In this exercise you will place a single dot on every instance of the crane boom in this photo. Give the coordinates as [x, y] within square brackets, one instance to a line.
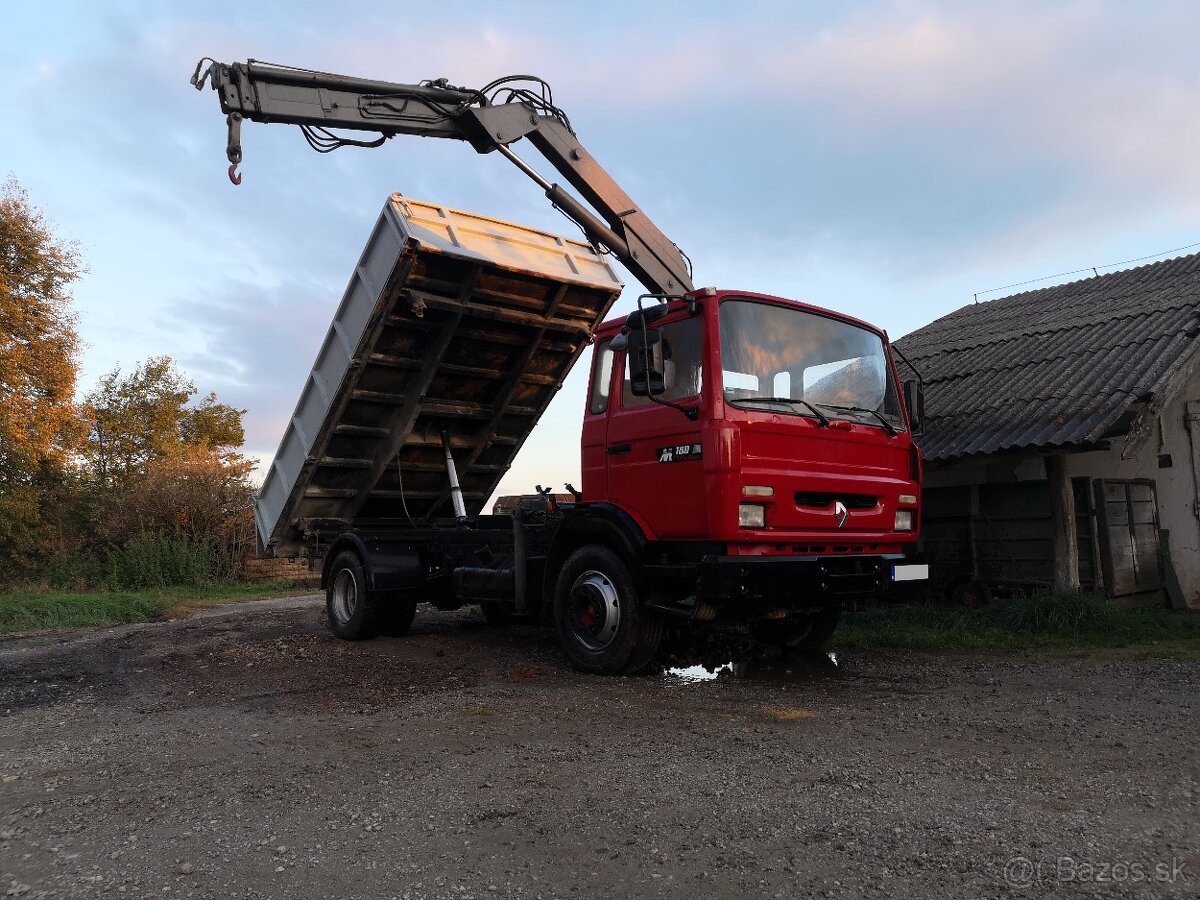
[489, 120]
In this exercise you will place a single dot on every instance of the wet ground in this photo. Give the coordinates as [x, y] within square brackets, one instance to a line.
[246, 753]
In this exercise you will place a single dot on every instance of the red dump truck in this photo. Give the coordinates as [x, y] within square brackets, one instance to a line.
[746, 459]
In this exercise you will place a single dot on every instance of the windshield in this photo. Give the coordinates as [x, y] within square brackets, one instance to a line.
[791, 361]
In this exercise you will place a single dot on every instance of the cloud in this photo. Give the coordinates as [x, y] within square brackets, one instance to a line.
[255, 346]
[866, 150]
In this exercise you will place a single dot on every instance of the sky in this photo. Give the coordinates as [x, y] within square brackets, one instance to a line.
[887, 159]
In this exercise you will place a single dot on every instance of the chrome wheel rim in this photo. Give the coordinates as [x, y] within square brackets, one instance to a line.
[595, 610]
[345, 596]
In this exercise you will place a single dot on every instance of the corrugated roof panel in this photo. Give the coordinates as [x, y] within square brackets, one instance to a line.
[1058, 366]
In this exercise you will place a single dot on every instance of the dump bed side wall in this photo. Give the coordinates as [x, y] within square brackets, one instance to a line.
[452, 323]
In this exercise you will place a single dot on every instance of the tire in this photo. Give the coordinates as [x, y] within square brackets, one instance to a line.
[601, 621]
[352, 609]
[395, 613]
[810, 632]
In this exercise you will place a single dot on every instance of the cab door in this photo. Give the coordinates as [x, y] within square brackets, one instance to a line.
[654, 452]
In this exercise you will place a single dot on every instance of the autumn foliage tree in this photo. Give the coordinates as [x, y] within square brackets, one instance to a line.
[40, 426]
[38, 343]
[142, 467]
[147, 415]
[167, 465]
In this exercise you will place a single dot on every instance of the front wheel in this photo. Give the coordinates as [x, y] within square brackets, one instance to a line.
[602, 624]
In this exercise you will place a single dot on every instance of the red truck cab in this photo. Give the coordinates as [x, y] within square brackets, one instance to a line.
[779, 433]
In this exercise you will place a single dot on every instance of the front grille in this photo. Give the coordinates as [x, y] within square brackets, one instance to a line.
[824, 500]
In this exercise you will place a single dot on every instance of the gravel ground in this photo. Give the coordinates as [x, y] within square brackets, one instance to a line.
[244, 752]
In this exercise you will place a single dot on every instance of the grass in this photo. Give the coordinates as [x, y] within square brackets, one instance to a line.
[38, 610]
[1070, 624]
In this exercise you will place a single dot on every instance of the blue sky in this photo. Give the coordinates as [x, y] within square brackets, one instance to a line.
[888, 159]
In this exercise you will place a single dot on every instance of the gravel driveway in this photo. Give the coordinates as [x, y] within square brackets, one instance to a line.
[246, 753]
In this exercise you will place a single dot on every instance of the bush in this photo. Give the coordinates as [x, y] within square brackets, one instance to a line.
[185, 521]
[150, 560]
[76, 571]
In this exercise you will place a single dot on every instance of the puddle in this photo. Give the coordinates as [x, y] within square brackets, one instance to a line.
[793, 667]
[699, 673]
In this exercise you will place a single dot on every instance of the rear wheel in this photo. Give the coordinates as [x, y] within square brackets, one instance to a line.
[809, 632]
[352, 609]
[602, 624]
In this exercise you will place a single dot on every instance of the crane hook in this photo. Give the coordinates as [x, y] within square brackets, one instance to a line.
[234, 175]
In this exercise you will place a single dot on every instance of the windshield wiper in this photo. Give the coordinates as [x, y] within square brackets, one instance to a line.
[891, 429]
[821, 417]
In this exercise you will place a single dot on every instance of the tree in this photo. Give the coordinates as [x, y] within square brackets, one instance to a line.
[144, 417]
[39, 421]
[194, 495]
[172, 484]
[215, 426]
[40, 425]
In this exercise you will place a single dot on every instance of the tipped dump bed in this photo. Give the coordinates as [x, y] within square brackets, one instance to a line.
[452, 322]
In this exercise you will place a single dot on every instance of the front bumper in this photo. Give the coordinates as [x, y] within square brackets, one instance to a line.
[759, 583]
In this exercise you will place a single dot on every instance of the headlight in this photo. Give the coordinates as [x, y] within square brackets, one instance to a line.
[751, 515]
[904, 520]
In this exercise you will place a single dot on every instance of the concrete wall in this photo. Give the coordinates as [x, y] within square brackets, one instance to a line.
[1177, 490]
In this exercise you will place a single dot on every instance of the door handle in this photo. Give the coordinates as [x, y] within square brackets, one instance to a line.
[615, 449]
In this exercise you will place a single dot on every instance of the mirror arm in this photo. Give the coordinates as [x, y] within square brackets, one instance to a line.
[691, 412]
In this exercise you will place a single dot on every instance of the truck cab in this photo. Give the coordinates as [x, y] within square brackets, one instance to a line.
[764, 428]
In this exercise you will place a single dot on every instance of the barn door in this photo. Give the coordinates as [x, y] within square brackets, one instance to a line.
[1127, 519]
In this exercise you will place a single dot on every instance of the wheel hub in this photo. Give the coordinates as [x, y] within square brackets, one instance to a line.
[345, 596]
[595, 610]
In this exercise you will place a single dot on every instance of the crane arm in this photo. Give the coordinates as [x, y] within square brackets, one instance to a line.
[489, 120]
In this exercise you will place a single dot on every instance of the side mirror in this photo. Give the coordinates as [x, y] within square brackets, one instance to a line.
[619, 343]
[645, 378]
[914, 402]
[649, 314]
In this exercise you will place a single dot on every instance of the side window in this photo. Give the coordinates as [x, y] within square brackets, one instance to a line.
[680, 356]
[602, 364]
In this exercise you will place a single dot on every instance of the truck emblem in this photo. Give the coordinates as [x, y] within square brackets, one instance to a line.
[679, 452]
[841, 513]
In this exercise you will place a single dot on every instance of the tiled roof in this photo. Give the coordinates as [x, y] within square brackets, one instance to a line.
[1061, 366]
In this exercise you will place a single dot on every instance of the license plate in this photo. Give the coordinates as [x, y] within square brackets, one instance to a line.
[913, 572]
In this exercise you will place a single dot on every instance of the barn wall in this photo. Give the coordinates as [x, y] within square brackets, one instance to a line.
[1176, 484]
[1176, 488]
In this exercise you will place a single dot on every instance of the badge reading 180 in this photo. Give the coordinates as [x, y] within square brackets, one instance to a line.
[678, 453]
